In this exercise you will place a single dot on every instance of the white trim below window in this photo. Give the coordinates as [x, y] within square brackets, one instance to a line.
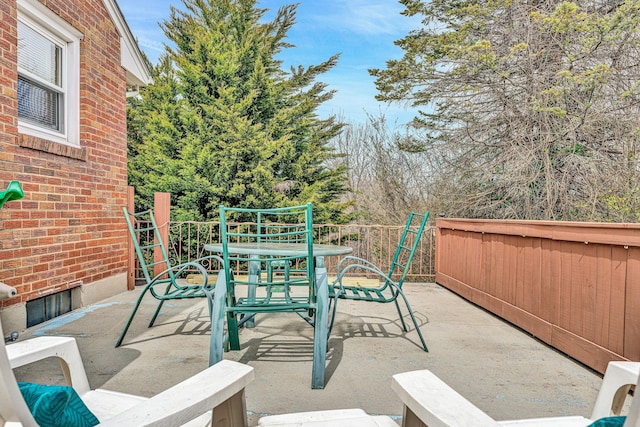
[38, 17]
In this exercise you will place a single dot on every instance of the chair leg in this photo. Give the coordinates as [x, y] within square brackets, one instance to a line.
[231, 413]
[404, 325]
[254, 277]
[287, 275]
[333, 300]
[130, 319]
[269, 279]
[153, 319]
[226, 347]
[155, 315]
[269, 272]
[216, 311]
[320, 329]
[232, 330]
[415, 322]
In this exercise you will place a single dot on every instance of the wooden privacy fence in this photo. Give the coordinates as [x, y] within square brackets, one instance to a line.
[575, 286]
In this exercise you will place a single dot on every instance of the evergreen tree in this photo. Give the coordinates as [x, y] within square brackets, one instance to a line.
[224, 124]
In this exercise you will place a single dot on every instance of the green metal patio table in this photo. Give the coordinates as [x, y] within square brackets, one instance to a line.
[274, 249]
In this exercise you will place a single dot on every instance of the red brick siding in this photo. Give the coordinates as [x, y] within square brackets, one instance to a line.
[69, 228]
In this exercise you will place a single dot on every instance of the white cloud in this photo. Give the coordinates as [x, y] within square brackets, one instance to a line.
[366, 17]
[150, 43]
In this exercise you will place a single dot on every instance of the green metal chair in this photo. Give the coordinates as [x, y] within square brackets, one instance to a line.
[389, 289]
[292, 291]
[170, 283]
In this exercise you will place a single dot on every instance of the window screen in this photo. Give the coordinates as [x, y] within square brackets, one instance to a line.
[40, 92]
[38, 105]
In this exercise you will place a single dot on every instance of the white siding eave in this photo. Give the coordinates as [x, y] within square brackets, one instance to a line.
[138, 73]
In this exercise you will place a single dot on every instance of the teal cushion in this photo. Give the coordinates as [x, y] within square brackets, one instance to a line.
[608, 422]
[56, 406]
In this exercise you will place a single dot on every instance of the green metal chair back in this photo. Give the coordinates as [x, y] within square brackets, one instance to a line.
[264, 226]
[146, 238]
[281, 233]
[407, 247]
[284, 224]
[391, 284]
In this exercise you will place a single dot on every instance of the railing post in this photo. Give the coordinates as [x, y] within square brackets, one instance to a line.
[131, 256]
[161, 209]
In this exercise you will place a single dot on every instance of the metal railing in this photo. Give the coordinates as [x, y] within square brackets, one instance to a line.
[376, 243]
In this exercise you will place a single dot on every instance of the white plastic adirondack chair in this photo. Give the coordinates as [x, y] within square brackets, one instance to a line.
[429, 401]
[215, 396]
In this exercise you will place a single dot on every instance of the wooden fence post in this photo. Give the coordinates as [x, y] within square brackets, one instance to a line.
[131, 256]
[161, 209]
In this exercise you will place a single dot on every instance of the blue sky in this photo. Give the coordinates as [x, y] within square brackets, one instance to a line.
[362, 30]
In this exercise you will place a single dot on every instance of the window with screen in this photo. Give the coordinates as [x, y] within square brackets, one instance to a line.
[48, 74]
[40, 89]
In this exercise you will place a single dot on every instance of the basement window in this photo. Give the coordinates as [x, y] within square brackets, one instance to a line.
[46, 308]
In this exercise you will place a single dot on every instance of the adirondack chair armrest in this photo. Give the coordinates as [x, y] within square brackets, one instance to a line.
[7, 291]
[219, 388]
[618, 379]
[64, 348]
[429, 401]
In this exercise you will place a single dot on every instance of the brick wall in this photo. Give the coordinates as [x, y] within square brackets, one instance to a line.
[68, 230]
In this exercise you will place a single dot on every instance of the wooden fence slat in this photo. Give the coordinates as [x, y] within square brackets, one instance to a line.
[522, 277]
[589, 304]
[511, 256]
[564, 291]
[549, 278]
[475, 260]
[538, 279]
[632, 306]
[497, 249]
[618, 285]
[603, 294]
[533, 290]
[575, 281]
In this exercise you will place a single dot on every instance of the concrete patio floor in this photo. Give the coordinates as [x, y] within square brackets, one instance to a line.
[501, 369]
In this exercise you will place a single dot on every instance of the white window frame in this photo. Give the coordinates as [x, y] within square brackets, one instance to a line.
[50, 25]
